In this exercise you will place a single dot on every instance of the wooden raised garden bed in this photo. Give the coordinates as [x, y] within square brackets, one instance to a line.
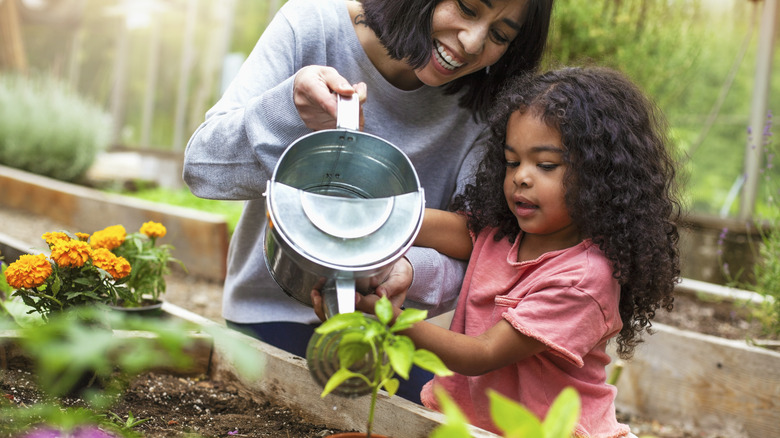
[698, 381]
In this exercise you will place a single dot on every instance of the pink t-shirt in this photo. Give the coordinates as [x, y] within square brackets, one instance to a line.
[568, 300]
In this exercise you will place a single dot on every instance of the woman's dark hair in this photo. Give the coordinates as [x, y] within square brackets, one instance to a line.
[620, 182]
[405, 27]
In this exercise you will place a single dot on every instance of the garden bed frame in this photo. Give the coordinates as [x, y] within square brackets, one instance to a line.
[692, 380]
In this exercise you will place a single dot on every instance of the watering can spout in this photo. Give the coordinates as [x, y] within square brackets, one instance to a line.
[338, 296]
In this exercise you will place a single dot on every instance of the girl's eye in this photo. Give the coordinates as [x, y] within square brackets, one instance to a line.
[466, 10]
[548, 167]
[512, 163]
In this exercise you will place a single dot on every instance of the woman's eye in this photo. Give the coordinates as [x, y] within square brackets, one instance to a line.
[499, 37]
[466, 10]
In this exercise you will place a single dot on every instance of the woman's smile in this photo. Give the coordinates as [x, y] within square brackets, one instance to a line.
[444, 58]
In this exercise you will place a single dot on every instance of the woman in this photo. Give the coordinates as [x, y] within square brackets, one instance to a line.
[426, 72]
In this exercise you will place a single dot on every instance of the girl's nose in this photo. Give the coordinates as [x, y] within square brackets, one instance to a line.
[473, 38]
[521, 177]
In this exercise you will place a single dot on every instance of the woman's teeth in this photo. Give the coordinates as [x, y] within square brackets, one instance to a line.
[445, 59]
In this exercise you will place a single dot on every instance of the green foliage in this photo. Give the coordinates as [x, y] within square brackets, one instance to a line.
[514, 420]
[389, 352]
[695, 62]
[231, 210]
[48, 129]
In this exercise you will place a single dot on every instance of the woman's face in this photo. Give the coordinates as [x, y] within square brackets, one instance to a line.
[469, 35]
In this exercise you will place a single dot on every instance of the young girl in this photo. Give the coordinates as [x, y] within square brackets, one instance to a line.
[571, 240]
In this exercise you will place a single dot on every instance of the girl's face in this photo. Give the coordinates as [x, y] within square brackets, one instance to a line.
[469, 35]
[533, 184]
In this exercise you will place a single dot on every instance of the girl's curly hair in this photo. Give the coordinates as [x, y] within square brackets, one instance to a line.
[620, 181]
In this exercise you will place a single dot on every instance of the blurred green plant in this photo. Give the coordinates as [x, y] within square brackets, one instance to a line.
[766, 270]
[513, 419]
[48, 129]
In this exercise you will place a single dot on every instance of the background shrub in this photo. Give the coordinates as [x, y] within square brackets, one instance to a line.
[47, 129]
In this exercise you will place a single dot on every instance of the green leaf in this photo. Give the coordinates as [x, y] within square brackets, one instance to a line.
[512, 418]
[391, 386]
[563, 415]
[352, 352]
[430, 362]
[384, 310]
[408, 318]
[400, 351]
[456, 425]
[339, 377]
[340, 322]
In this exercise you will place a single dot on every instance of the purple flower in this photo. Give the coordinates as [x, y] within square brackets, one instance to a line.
[79, 432]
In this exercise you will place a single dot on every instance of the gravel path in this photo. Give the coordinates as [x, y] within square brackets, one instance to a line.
[196, 295]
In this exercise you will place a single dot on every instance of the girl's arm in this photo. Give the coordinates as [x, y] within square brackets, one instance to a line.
[446, 232]
[499, 346]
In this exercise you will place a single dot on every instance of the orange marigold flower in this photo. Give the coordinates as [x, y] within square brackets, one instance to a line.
[106, 260]
[109, 237]
[84, 237]
[28, 271]
[54, 236]
[153, 229]
[71, 253]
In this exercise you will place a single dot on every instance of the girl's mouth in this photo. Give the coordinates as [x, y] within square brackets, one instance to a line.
[445, 59]
[523, 209]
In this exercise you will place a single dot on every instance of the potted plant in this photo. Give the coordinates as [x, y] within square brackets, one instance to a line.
[370, 353]
[108, 268]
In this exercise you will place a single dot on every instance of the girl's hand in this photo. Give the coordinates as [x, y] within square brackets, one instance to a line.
[314, 95]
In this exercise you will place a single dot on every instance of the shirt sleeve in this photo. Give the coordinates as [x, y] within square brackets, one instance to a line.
[570, 320]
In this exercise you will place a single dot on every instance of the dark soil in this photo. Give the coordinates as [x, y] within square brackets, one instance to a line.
[183, 406]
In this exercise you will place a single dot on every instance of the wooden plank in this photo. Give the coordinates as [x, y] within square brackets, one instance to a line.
[688, 379]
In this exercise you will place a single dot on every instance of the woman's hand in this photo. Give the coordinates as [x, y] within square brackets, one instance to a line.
[314, 95]
[395, 285]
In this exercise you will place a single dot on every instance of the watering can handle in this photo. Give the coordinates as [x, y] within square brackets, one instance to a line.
[348, 113]
[338, 296]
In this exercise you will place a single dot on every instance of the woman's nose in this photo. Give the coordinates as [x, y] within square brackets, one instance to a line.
[473, 38]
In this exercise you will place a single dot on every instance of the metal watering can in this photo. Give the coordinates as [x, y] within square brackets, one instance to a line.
[342, 205]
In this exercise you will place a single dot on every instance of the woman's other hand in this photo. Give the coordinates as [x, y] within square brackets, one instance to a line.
[314, 95]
